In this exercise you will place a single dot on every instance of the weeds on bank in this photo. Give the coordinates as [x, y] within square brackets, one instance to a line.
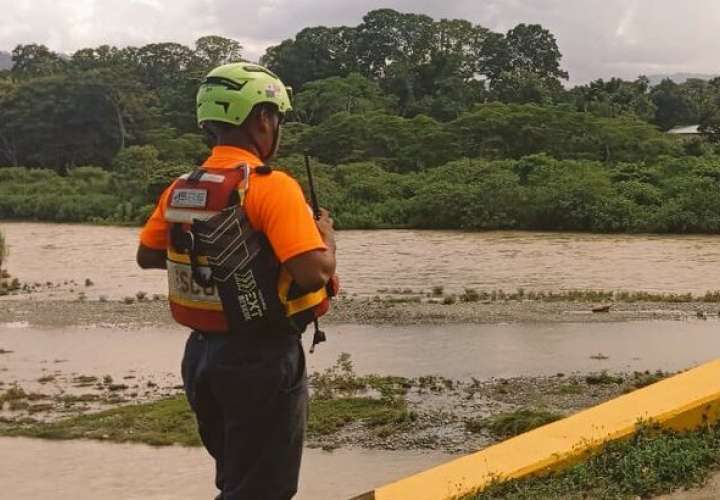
[650, 463]
[437, 293]
[340, 397]
[13, 394]
[646, 378]
[164, 422]
[603, 378]
[505, 425]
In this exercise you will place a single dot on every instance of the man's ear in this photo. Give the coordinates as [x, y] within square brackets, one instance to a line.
[265, 120]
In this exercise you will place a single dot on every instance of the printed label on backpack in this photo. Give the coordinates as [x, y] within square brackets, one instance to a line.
[189, 198]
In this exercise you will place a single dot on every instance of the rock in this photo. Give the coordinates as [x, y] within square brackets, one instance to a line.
[602, 309]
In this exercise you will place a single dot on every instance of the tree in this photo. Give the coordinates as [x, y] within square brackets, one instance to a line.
[710, 114]
[386, 36]
[314, 54]
[616, 97]
[673, 106]
[35, 60]
[59, 121]
[353, 94]
[527, 49]
[162, 64]
[73, 119]
[522, 87]
[134, 167]
[458, 46]
[212, 51]
[165, 69]
[411, 56]
[103, 56]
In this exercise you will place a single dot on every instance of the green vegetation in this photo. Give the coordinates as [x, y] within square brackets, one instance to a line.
[588, 296]
[13, 394]
[603, 378]
[339, 398]
[416, 122]
[643, 379]
[651, 463]
[3, 252]
[170, 421]
[163, 422]
[505, 425]
[330, 415]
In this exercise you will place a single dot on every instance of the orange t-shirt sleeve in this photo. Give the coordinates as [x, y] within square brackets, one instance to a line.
[155, 232]
[277, 207]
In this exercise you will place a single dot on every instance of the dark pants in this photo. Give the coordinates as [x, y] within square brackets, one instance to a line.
[250, 396]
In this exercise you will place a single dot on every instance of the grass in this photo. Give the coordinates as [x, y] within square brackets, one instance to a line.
[643, 379]
[164, 422]
[437, 293]
[652, 462]
[603, 378]
[449, 300]
[3, 251]
[170, 421]
[84, 379]
[328, 416]
[14, 393]
[339, 397]
[570, 388]
[505, 425]
[336, 402]
[340, 381]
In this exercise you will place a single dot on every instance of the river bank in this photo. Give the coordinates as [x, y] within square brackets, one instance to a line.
[347, 410]
[372, 261]
[389, 310]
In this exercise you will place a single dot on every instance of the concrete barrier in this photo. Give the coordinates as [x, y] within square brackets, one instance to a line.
[682, 402]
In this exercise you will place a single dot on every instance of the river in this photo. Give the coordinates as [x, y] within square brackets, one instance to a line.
[369, 261]
[375, 260]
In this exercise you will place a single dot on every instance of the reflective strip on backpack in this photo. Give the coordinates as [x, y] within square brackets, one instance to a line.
[184, 291]
[187, 216]
[299, 304]
[207, 177]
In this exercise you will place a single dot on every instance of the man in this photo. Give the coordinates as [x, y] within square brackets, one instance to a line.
[247, 386]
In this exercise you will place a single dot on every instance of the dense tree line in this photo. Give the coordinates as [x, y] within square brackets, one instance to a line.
[415, 122]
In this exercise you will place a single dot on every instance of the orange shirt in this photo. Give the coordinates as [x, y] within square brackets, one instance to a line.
[274, 204]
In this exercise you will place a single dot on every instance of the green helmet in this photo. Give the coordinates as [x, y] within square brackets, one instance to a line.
[230, 92]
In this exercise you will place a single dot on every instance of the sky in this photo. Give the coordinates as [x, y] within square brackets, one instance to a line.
[598, 38]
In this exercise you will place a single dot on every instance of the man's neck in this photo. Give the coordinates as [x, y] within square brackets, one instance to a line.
[240, 145]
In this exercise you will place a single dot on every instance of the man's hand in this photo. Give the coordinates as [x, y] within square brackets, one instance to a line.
[325, 225]
[312, 270]
[149, 258]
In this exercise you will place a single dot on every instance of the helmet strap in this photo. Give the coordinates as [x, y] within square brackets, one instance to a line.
[276, 138]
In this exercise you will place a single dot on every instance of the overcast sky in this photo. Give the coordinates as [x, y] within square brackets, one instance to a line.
[598, 38]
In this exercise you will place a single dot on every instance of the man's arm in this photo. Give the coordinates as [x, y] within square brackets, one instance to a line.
[151, 252]
[312, 270]
[149, 258]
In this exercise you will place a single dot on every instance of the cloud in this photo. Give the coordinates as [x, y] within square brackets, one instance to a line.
[598, 38]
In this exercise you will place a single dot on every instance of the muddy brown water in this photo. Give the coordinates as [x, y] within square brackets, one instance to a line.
[368, 261]
[373, 260]
[453, 351]
[78, 470]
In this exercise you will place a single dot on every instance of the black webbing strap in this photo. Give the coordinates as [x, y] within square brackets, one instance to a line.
[196, 175]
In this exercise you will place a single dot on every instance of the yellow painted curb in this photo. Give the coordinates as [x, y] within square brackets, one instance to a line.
[682, 402]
